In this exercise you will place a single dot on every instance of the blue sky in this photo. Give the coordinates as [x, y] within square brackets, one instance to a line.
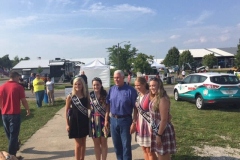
[85, 28]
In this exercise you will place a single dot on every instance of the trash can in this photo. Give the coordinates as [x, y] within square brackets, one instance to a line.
[45, 99]
[169, 79]
[172, 80]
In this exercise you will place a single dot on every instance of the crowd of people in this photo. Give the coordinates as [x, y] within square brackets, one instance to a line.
[40, 86]
[124, 110]
[118, 113]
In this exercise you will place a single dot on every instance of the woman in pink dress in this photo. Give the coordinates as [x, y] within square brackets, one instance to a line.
[143, 128]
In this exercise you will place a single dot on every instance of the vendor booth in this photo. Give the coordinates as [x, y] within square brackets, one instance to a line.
[97, 69]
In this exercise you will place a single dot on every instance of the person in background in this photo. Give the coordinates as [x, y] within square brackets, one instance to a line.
[163, 140]
[39, 89]
[183, 73]
[50, 91]
[121, 98]
[97, 131]
[77, 120]
[12, 94]
[30, 83]
[143, 128]
[21, 82]
[178, 72]
[84, 77]
[129, 77]
[157, 75]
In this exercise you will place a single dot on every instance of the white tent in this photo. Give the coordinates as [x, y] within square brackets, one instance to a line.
[157, 65]
[97, 69]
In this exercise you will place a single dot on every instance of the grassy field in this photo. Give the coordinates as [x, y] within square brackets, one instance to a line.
[214, 126]
[30, 124]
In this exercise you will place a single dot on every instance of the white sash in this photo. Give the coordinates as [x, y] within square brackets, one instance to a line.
[147, 118]
[96, 105]
[79, 105]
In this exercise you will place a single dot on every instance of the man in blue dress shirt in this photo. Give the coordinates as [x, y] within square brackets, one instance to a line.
[121, 99]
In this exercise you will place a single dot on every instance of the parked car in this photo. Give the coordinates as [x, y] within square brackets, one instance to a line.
[208, 88]
[25, 81]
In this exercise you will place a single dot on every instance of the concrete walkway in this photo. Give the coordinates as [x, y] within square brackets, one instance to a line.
[52, 142]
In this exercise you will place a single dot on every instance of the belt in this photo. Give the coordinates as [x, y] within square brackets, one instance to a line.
[120, 116]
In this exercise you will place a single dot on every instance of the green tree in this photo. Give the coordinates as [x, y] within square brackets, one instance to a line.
[141, 63]
[6, 62]
[26, 58]
[172, 58]
[15, 61]
[39, 69]
[122, 58]
[185, 57]
[237, 57]
[209, 60]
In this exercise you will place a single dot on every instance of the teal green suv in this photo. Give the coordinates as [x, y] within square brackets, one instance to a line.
[209, 88]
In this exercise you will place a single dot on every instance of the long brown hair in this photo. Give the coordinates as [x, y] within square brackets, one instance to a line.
[161, 92]
[103, 92]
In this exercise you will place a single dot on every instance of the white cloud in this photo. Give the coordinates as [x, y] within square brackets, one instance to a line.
[224, 38]
[128, 8]
[85, 3]
[202, 40]
[80, 29]
[60, 2]
[18, 22]
[174, 36]
[200, 19]
[157, 40]
[196, 40]
[28, 3]
[189, 41]
[99, 7]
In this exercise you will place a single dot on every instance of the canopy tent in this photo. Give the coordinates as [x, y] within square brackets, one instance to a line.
[97, 69]
[157, 65]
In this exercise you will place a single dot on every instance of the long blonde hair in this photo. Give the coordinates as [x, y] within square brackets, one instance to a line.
[84, 89]
[143, 81]
[161, 92]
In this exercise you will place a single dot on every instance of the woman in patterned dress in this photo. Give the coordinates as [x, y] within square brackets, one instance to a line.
[78, 121]
[163, 142]
[143, 128]
[97, 131]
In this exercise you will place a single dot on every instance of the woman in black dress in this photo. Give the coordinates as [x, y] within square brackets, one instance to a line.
[77, 105]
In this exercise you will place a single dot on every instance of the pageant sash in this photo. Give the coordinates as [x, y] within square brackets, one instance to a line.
[147, 118]
[96, 105]
[146, 115]
[79, 105]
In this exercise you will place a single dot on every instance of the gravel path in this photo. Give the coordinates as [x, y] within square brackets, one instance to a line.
[218, 153]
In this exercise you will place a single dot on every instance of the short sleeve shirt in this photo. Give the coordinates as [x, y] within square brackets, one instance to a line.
[49, 85]
[121, 99]
[11, 93]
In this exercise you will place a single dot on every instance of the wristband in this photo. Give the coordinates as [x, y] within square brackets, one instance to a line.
[159, 135]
